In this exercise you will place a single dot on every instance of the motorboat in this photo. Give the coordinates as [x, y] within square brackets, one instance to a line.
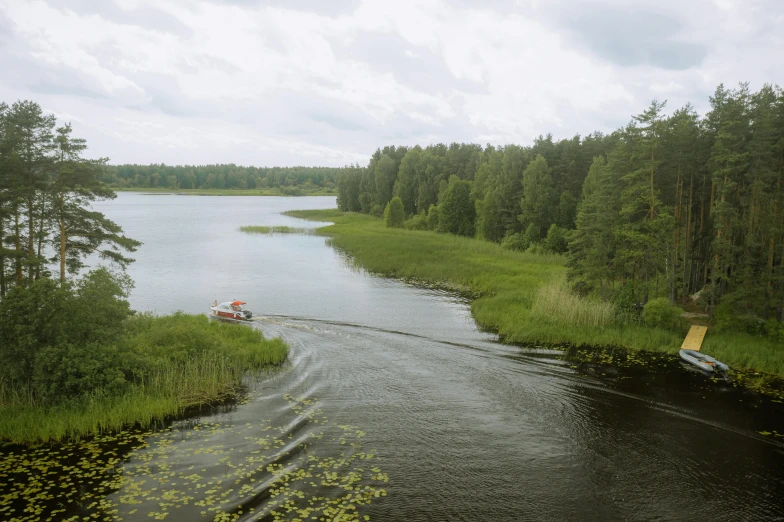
[702, 361]
[231, 310]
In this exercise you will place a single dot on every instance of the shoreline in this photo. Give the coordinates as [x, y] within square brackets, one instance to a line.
[502, 286]
[156, 191]
[180, 374]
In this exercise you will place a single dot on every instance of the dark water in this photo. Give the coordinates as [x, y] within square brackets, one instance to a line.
[394, 406]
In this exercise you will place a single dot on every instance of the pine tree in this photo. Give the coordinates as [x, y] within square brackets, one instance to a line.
[729, 161]
[81, 231]
[592, 245]
[646, 223]
[29, 149]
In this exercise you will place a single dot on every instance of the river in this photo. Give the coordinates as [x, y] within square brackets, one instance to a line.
[395, 406]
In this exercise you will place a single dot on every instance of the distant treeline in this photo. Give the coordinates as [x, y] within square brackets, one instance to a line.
[219, 177]
[668, 206]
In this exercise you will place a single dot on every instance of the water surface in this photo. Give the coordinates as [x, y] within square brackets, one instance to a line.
[395, 406]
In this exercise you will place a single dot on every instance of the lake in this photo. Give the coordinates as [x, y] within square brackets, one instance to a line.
[393, 405]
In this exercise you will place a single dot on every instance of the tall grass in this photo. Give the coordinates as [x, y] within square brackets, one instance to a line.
[519, 295]
[554, 300]
[180, 361]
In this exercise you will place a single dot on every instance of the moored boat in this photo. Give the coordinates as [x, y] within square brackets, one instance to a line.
[702, 361]
[233, 310]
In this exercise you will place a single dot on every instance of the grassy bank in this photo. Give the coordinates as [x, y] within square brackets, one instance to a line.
[167, 364]
[519, 295]
[226, 192]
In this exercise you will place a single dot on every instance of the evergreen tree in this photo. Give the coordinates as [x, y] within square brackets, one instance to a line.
[46, 188]
[79, 230]
[592, 245]
[729, 161]
[647, 224]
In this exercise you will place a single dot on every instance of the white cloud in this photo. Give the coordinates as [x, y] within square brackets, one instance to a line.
[252, 83]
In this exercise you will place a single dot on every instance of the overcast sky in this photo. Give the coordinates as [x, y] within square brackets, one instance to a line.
[325, 82]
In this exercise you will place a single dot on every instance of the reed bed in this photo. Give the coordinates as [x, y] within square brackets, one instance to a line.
[556, 301]
[522, 296]
[180, 361]
[278, 230]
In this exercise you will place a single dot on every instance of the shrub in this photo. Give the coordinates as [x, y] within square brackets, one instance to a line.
[556, 239]
[516, 242]
[291, 191]
[47, 319]
[775, 329]
[626, 302]
[432, 218]
[418, 222]
[66, 371]
[532, 233]
[727, 319]
[660, 313]
[394, 214]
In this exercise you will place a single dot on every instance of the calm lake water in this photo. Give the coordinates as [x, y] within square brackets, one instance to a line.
[394, 405]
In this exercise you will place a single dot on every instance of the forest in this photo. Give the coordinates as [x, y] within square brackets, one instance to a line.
[674, 205]
[290, 180]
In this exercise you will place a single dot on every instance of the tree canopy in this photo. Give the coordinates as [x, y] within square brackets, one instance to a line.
[671, 205]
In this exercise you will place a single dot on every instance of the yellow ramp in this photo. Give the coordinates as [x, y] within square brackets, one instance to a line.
[694, 338]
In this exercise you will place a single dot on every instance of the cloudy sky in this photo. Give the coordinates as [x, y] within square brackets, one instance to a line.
[325, 82]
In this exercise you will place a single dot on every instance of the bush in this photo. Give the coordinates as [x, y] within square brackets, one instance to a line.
[432, 218]
[66, 372]
[377, 210]
[532, 234]
[775, 329]
[43, 323]
[291, 191]
[394, 214]
[660, 313]
[418, 222]
[727, 319]
[556, 239]
[516, 242]
[626, 302]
